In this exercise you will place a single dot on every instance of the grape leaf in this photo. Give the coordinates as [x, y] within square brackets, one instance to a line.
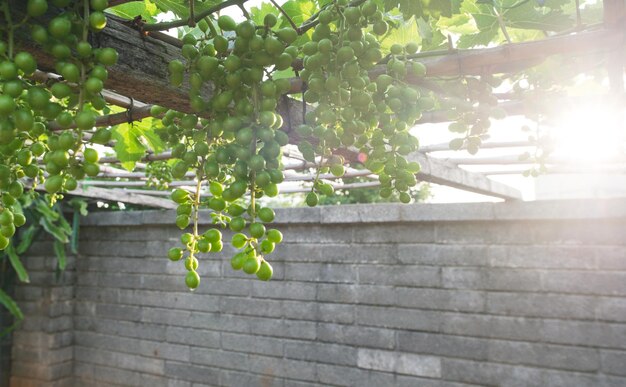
[11, 305]
[59, 251]
[133, 140]
[22, 274]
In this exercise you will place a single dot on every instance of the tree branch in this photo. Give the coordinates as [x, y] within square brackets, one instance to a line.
[197, 18]
[295, 27]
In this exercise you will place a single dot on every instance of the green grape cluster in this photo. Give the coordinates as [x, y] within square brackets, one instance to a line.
[159, 175]
[193, 243]
[49, 122]
[354, 110]
[472, 111]
[236, 146]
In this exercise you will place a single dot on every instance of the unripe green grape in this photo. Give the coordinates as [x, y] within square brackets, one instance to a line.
[107, 56]
[257, 230]
[274, 236]
[99, 5]
[226, 23]
[6, 217]
[217, 204]
[19, 220]
[238, 260]
[216, 247]
[237, 224]
[94, 85]
[204, 245]
[8, 231]
[175, 254]
[192, 279]
[59, 27]
[90, 155]
[251, 265]
[239, 240]
[53, 184]
[25, 62]
[4, 242]
[266, 215]
[312, 199]
[182, 221]
[91, 170]
[36, 8]
[213, 235]
[97, 21]
[180, 196]
[267, 247]
[102, 136]
[85, 120]
[265, 271]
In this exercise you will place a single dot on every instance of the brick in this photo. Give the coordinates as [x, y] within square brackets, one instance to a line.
[121, 360]
[542, 305]
[312, 272]
[199, 337]
[544, 355]
[401, 363]
[399, 318]
[602, 283]
[443, 345]
[613, 362]
[337, 375]
[192, 372]
[543, 257]
[219, 359]
[377, 295]
[356, 335]
[134, 346]
[463, 278]
[344, 293]
[441, 299]
[443, 255]
[611, 309]
[252, 344]
[321, 353]
[420, 276]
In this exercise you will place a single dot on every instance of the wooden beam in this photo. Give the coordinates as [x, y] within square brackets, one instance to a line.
[487, 145]
[118, 195]
[445, 173]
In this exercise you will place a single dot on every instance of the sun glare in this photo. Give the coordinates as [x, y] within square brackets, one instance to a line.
[593, 134]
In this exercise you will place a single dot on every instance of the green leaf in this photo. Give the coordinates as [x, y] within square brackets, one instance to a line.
[257, 14]
[181, 7]
[405, 32]
[8, 303]
[298, 11]
[59, 251]
[59, 233]
[22, 274]
[26, 239]
[129, 10]
[132, 140]
[45, 210]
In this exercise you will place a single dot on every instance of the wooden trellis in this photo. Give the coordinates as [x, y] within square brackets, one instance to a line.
[140, 80]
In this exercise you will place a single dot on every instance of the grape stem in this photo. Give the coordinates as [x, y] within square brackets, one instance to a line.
[192, 22]
[183, 22]
[10, 27]
[282, 11]
[81, 93]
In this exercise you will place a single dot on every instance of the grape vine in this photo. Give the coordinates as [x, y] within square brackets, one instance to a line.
[361, 98]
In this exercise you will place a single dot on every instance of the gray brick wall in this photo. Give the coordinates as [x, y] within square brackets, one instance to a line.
[516, 294]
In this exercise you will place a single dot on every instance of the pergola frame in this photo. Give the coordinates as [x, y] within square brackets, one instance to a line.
[140, 80]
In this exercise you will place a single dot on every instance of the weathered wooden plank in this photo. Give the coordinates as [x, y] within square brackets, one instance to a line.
[446, 173]
[120, 195]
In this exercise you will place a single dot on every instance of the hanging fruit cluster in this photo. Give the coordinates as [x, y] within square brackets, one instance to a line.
[45, 129]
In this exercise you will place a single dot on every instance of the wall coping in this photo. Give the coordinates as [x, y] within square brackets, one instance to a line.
[579, 209]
